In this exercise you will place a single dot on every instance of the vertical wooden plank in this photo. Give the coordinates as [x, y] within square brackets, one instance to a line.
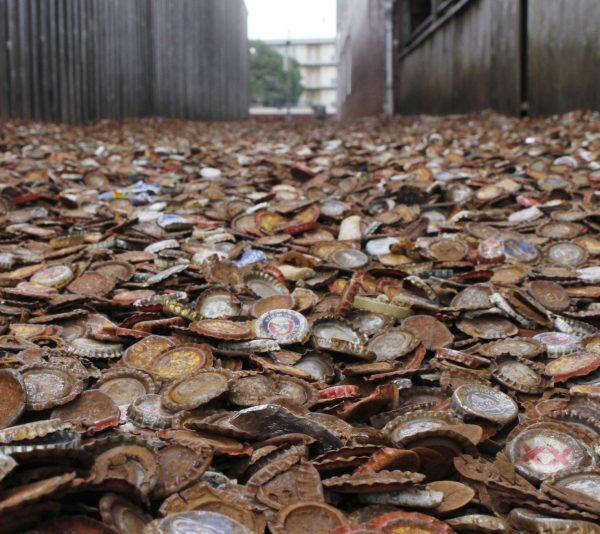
[84, 15]
[142, 87]
[70, 32]
[13, 60]
[153, 104]
[62, 58]
[32, 37]
[70, 60]
[209, 45]
[244, 59]
[25, 60]
[197, 55]
[54, 55]
[75, 32]
[171, 85]
[173, 79]
[155, 55]
[120, 51]
[8, 58]
[220, 16]
[193, 51]
[187, 52]
[182, 44]
[88, 54]
[505, 56]
[229, 76]
[42, 52]
[147, 72]
[97, 58]
[104, 47]
[131, 107]
[564, 70]
[112, 72]
[79, 7]
[106, 60]
[3, 63]
[122, 42]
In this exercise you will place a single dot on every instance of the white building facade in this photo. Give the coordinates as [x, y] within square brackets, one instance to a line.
[318, 66]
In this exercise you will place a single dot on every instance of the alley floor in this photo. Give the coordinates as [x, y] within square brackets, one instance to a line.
[300, 327]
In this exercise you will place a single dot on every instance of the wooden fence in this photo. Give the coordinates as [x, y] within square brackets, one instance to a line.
[81, 60]
[535, 56]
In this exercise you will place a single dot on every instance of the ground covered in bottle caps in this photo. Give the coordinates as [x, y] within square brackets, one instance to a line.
[381, 326]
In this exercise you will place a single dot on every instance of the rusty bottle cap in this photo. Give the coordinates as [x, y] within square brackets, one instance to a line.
[50, 385]
[181, 361]
[284, 326]
[93, 409]
[484, 403]
[519, 375]
[147, 412]
[558, 344]
[541, 450]
[197, 521]
[190, 392]
[125, 385]
[14, 395]
[57, 276]
[567, 367]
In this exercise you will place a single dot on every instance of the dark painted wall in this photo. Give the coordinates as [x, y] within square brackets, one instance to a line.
[361, 65]
[79, 60]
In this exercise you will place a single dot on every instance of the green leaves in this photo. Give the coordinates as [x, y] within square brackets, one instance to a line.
[270, 85]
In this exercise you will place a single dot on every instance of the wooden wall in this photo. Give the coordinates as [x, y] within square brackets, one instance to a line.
[361, 64]
[80, 60]
[563, 55]
[499, 54]
[469, 63]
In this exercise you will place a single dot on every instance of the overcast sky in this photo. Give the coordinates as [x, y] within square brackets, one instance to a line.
[291, 19]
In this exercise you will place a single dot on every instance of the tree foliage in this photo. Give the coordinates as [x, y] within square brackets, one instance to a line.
[268, 79]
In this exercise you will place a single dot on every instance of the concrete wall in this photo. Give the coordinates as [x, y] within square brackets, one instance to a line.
[80, 60]
[471, 62]
[361, 63]
[563, 55]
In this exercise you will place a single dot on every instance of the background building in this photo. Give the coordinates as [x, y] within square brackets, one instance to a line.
[318, 65]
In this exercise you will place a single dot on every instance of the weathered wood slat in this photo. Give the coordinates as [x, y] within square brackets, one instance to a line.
[80, 60]
[563, 55]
